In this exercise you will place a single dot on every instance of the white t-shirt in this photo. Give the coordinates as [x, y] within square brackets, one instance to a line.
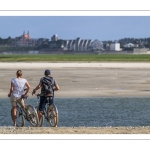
[19, 84]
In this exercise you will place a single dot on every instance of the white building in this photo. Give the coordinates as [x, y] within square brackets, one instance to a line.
[54, 37]
[77, 44]
[115, 47]
[129, 45]
[97, 45]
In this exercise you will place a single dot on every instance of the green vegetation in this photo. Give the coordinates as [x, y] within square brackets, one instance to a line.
[75, 57]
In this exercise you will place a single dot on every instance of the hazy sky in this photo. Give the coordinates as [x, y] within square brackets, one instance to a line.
[71, 27]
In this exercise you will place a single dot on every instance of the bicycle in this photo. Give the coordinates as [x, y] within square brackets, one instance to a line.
[50, 113]
[30, 114]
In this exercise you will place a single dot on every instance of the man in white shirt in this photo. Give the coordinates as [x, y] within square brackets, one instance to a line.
[17, 92]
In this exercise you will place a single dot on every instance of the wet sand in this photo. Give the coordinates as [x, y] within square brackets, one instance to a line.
[84, 80]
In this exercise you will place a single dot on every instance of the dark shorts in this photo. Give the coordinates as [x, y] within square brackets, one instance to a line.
[43, 101]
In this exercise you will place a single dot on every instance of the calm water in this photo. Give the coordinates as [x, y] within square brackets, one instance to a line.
[91, 112]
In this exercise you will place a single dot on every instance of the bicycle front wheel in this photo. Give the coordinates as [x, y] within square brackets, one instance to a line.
[20, 121]
[32, 116]
[52, 115]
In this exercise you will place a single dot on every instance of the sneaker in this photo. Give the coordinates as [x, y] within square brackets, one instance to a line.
[16, 125]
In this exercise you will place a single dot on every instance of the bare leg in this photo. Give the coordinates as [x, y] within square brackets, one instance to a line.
[39, 115]
[14, 114]
[23, 106]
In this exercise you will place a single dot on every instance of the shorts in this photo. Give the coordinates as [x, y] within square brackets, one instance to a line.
[14, 100]
[43, 101]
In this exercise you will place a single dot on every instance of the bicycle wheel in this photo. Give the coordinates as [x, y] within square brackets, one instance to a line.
[20, 121]
[32, 116]
[41, 121]
[52, 115]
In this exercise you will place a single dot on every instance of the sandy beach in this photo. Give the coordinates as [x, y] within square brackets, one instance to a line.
[84, 80]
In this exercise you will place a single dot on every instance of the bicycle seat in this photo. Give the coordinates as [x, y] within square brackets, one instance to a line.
[24, 96]
[49, 95]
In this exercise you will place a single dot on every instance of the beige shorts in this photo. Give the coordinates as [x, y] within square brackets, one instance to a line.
[14, 100]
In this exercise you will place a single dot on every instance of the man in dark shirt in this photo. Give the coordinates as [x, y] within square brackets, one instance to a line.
[43, 96]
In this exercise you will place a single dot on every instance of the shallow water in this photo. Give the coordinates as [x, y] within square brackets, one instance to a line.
[91, 112]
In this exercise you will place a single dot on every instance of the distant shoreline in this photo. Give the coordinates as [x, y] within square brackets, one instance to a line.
[36, 65]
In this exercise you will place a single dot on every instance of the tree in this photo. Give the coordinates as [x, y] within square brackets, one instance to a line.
[9, 40]
[148, 42]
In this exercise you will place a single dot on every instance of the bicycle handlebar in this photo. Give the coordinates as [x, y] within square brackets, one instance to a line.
[25, 96]
[38, 95]
[25, 89]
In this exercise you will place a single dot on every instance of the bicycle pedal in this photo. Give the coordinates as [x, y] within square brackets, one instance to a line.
[20, 114]
[27, 118]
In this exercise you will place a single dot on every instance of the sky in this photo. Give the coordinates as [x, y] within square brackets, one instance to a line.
[70, 27]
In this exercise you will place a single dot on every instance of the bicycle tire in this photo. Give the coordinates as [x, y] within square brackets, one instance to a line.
[52, 115]
[41, 121]
[32, 116]
[20, 120]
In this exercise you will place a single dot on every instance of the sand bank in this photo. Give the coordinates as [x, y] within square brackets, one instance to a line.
[84, 79]
[37, 65]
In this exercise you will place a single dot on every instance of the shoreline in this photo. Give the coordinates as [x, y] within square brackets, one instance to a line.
[83, 79]
[37, 65]
[75, 130]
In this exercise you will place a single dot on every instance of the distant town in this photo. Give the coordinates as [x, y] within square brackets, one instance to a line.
[26, 44]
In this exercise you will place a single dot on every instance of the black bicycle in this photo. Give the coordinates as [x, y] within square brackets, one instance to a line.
[29, 114]
[50, 113]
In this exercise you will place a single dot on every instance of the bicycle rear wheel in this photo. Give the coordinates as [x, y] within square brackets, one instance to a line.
[32, 116]
[52, 115]
[20, 121]
[41, 121]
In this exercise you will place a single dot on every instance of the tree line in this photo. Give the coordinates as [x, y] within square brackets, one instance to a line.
[7, 41]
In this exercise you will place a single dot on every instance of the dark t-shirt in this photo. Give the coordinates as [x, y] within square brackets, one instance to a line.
[42, 88]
